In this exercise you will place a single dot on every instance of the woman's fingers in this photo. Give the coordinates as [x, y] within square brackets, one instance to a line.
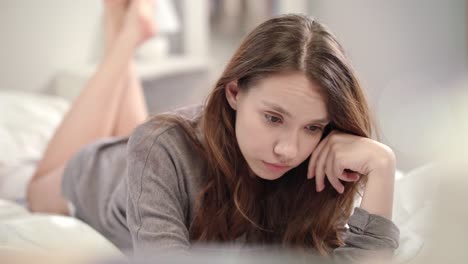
[313, 158]
[340, 171]
[333, 173]
[350, 176]
[320, 167]
[326, 161]
[335, 182]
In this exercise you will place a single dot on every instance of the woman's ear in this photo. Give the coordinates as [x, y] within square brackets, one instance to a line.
[232, 94]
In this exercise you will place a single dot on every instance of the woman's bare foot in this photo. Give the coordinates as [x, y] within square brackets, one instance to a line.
[114, 16]
[138, 25]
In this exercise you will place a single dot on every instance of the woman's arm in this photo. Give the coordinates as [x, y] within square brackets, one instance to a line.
[368, 239]
[340, 153]
[378, 193]
[371, 233]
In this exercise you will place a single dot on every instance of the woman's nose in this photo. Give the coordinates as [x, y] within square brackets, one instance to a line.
[287, 149]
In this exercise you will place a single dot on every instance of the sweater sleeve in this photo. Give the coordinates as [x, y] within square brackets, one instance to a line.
[368, 236]
[157, 201]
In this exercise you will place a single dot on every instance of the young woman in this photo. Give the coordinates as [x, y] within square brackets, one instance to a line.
[276, 156]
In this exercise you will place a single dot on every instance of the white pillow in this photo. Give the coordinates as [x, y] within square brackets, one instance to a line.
[27, 122]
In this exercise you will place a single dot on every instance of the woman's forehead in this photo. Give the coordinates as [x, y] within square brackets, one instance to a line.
[289, 83]
[290, 93]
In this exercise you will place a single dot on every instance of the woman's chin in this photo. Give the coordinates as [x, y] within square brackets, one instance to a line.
[267, 175]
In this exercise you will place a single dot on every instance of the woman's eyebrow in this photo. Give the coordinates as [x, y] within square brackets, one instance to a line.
[277, 108]
[283, 111]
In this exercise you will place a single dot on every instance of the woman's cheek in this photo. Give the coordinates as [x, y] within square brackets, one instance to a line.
[308, 148]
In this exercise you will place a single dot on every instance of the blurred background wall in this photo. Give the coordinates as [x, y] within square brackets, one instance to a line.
[40, 37]
[411, 57]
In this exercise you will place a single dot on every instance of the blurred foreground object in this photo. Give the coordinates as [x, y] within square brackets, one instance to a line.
[25, 236]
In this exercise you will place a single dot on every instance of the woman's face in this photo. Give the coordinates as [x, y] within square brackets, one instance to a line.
[279, 122]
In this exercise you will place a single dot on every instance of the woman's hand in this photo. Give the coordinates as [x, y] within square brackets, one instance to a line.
[345, 157]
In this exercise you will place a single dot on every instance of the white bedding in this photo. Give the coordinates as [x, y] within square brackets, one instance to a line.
[26, 124]
[27, 121]
[21, 231]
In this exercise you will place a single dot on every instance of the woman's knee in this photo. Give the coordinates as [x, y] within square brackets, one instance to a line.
[44, 193]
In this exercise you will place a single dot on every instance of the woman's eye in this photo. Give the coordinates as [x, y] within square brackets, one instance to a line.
[272, 119]
[314, 128]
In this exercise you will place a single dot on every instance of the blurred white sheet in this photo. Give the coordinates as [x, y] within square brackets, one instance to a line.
[21, 231]
[27, 122]
[413, 210]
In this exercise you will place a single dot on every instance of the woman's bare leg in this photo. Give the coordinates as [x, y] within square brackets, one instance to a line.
[132, 109]
[95, 112]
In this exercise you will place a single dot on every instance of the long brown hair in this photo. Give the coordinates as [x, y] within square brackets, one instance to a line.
[287, 211]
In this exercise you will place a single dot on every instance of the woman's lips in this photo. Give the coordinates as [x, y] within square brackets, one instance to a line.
[275, 166]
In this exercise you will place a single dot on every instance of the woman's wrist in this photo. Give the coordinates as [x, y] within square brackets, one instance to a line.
[378, 192]
[383, 162]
